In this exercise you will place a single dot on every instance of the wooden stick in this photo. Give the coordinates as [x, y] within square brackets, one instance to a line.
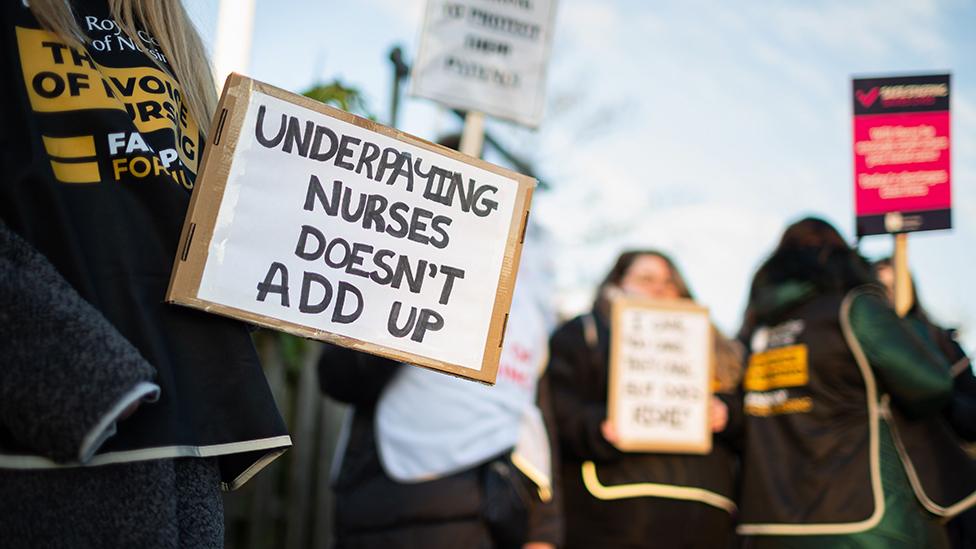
[903, 280]
[473, 135]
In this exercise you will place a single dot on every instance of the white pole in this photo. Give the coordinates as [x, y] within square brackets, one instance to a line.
[232, 46]
[473, 135]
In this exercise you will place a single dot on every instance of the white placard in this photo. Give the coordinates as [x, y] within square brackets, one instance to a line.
[486, 55]
[366, 238]
[660, 376]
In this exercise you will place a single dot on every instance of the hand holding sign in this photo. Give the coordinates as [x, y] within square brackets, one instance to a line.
[609, 432]
[719, 414]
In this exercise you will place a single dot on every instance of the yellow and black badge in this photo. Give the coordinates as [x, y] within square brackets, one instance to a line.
[768, 377]
[778, 368]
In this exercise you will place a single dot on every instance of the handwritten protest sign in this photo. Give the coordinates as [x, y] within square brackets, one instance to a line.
[486, 55]
[901, 154]
[319, 223]
[661, 365]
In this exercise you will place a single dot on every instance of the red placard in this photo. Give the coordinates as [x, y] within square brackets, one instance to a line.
[902, 168]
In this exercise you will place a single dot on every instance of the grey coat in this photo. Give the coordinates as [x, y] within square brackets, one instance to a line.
[64, 370]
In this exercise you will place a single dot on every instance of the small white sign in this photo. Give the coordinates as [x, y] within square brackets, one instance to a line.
[660, 376]
[486, 55]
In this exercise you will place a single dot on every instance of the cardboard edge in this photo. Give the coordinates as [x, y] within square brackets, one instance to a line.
[328, 337]
[710, 387]
[617, 307]
[637, 446]
[613, 373]
[224, 133]
[501, 309]
[673, 305]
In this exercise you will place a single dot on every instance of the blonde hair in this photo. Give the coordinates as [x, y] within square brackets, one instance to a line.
[728, 362]
[166, 21]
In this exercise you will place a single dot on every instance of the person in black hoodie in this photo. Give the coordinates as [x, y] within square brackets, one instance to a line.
[615, 499]
[845, 445]
[121, 417]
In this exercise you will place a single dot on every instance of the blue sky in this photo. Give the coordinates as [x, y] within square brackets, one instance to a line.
[700, 128]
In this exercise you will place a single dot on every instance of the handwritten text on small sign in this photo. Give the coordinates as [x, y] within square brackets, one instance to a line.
[660, 376]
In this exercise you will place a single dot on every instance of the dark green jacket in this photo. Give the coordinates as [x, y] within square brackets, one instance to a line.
[825, 371]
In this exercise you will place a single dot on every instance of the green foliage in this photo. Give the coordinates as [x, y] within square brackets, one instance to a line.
[339, 95]
[283, 349]
[292, 352]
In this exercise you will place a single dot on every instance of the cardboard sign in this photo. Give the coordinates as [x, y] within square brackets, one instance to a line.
[901, 154]
[661, 369]
[312, 221]
[487, 56]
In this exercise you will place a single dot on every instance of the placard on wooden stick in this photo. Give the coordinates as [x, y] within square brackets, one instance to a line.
[661, 371]
[483, 56]
[315, 222]
[902, 168]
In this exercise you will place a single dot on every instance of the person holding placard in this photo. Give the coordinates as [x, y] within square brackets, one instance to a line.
[961, 412]
[436, 462]
[845, 444]
[121, 418]
[637, 499]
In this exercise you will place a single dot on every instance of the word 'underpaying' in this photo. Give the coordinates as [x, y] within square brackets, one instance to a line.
[321, 143]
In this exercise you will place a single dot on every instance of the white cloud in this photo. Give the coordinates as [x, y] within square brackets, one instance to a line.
[593, 26]
[873, 28]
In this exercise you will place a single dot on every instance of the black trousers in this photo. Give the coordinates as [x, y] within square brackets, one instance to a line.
[647, 523]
